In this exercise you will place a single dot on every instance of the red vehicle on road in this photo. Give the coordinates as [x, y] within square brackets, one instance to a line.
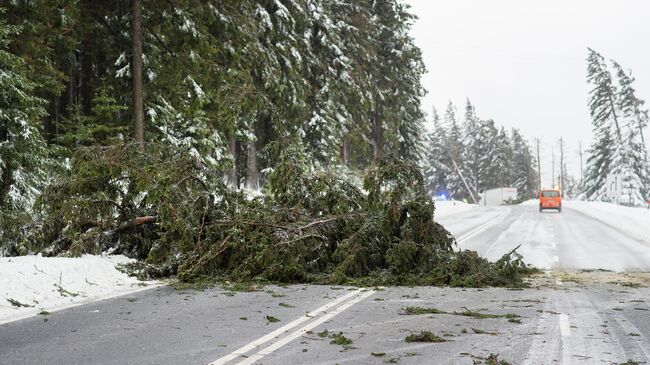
[550, 199]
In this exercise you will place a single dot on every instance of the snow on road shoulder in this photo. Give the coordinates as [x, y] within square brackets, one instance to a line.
[633, 221]
[530, 202]
[445, 208]
[33, 284]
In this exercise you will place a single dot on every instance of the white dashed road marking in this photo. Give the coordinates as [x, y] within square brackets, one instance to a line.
[565, 326]
[325, 312]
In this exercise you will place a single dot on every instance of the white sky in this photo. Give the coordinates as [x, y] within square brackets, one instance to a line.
[523, 63]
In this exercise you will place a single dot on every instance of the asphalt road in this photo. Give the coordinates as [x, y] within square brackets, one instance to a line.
[550, 240]
[569, 316]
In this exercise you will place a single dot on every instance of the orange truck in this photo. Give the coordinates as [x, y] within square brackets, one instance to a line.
[550, 199]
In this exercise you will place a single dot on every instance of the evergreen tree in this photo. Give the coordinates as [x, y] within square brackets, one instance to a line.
[455, 149]
[606, 128]
[618, 151]
[503, 160]
[598, 166]
[436, 153]
[636, 177]
[23, 152]
[487, 147]
[471, 152]
[524, 174]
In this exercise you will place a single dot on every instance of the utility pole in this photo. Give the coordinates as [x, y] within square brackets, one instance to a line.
[464, 181]
[580, 153]
[553, 167]
[539, 168]
[561, 166]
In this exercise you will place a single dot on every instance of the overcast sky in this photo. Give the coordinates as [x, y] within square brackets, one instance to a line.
[522, 63]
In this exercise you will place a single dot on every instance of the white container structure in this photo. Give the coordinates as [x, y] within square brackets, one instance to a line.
[498, 196]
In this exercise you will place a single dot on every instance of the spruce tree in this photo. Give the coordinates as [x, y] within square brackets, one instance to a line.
[436, 169]
[455, 149]
[503, 160]
[618, 152]
[524, 174]
[23, 152]
[606, 127]
[471, 152]
[487, 147]
[636, 177]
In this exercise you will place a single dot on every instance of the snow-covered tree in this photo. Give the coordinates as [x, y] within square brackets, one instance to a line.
[635, 119]
[524, 175]
[503, 160]
[487, 148]
[455, 149]
[436, 153]
[606, 126]
[471, 152]
[23, 152]
[618, 153]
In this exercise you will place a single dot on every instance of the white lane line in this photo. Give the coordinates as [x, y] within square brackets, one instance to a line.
[565, 326]
[285, 340]
[483, 226]
[264, 339]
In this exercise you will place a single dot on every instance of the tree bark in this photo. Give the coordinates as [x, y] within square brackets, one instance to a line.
[6, 172]
[346, 152]
[252, 179]
[138, 109]
[231, 174]
[377, 134]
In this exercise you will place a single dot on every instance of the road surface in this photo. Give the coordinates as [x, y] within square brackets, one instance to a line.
[575, 313]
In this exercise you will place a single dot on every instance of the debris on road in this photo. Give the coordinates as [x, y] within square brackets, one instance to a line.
[305, 227]
[424, 336]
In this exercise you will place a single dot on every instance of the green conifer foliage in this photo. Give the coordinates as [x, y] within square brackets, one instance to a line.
[23, 152]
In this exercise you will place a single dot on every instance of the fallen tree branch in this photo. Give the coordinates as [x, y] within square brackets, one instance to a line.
[137, 221]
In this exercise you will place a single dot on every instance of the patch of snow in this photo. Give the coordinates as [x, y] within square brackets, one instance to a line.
[54, 283]
[445, 208]
[634, 221]
[530, 202]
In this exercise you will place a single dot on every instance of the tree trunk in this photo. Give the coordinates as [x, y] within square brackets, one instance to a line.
[346, 152]
[231, 174]
[252, 180]
[138, 110]
[377, 134]
[86, 76]
[6, 172]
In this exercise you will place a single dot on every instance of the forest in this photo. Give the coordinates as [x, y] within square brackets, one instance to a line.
[281, 140]
[464, 159]
[618, 152]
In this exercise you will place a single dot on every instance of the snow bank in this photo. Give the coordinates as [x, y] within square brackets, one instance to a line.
[633, 221]
[530, 202]
[35, 283]
[445, 208]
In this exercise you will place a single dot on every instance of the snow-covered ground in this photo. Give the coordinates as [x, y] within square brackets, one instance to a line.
[450, 207]
[36, 284]
[633, 221]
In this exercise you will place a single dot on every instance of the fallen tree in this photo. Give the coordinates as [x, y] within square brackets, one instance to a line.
[179, 219]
